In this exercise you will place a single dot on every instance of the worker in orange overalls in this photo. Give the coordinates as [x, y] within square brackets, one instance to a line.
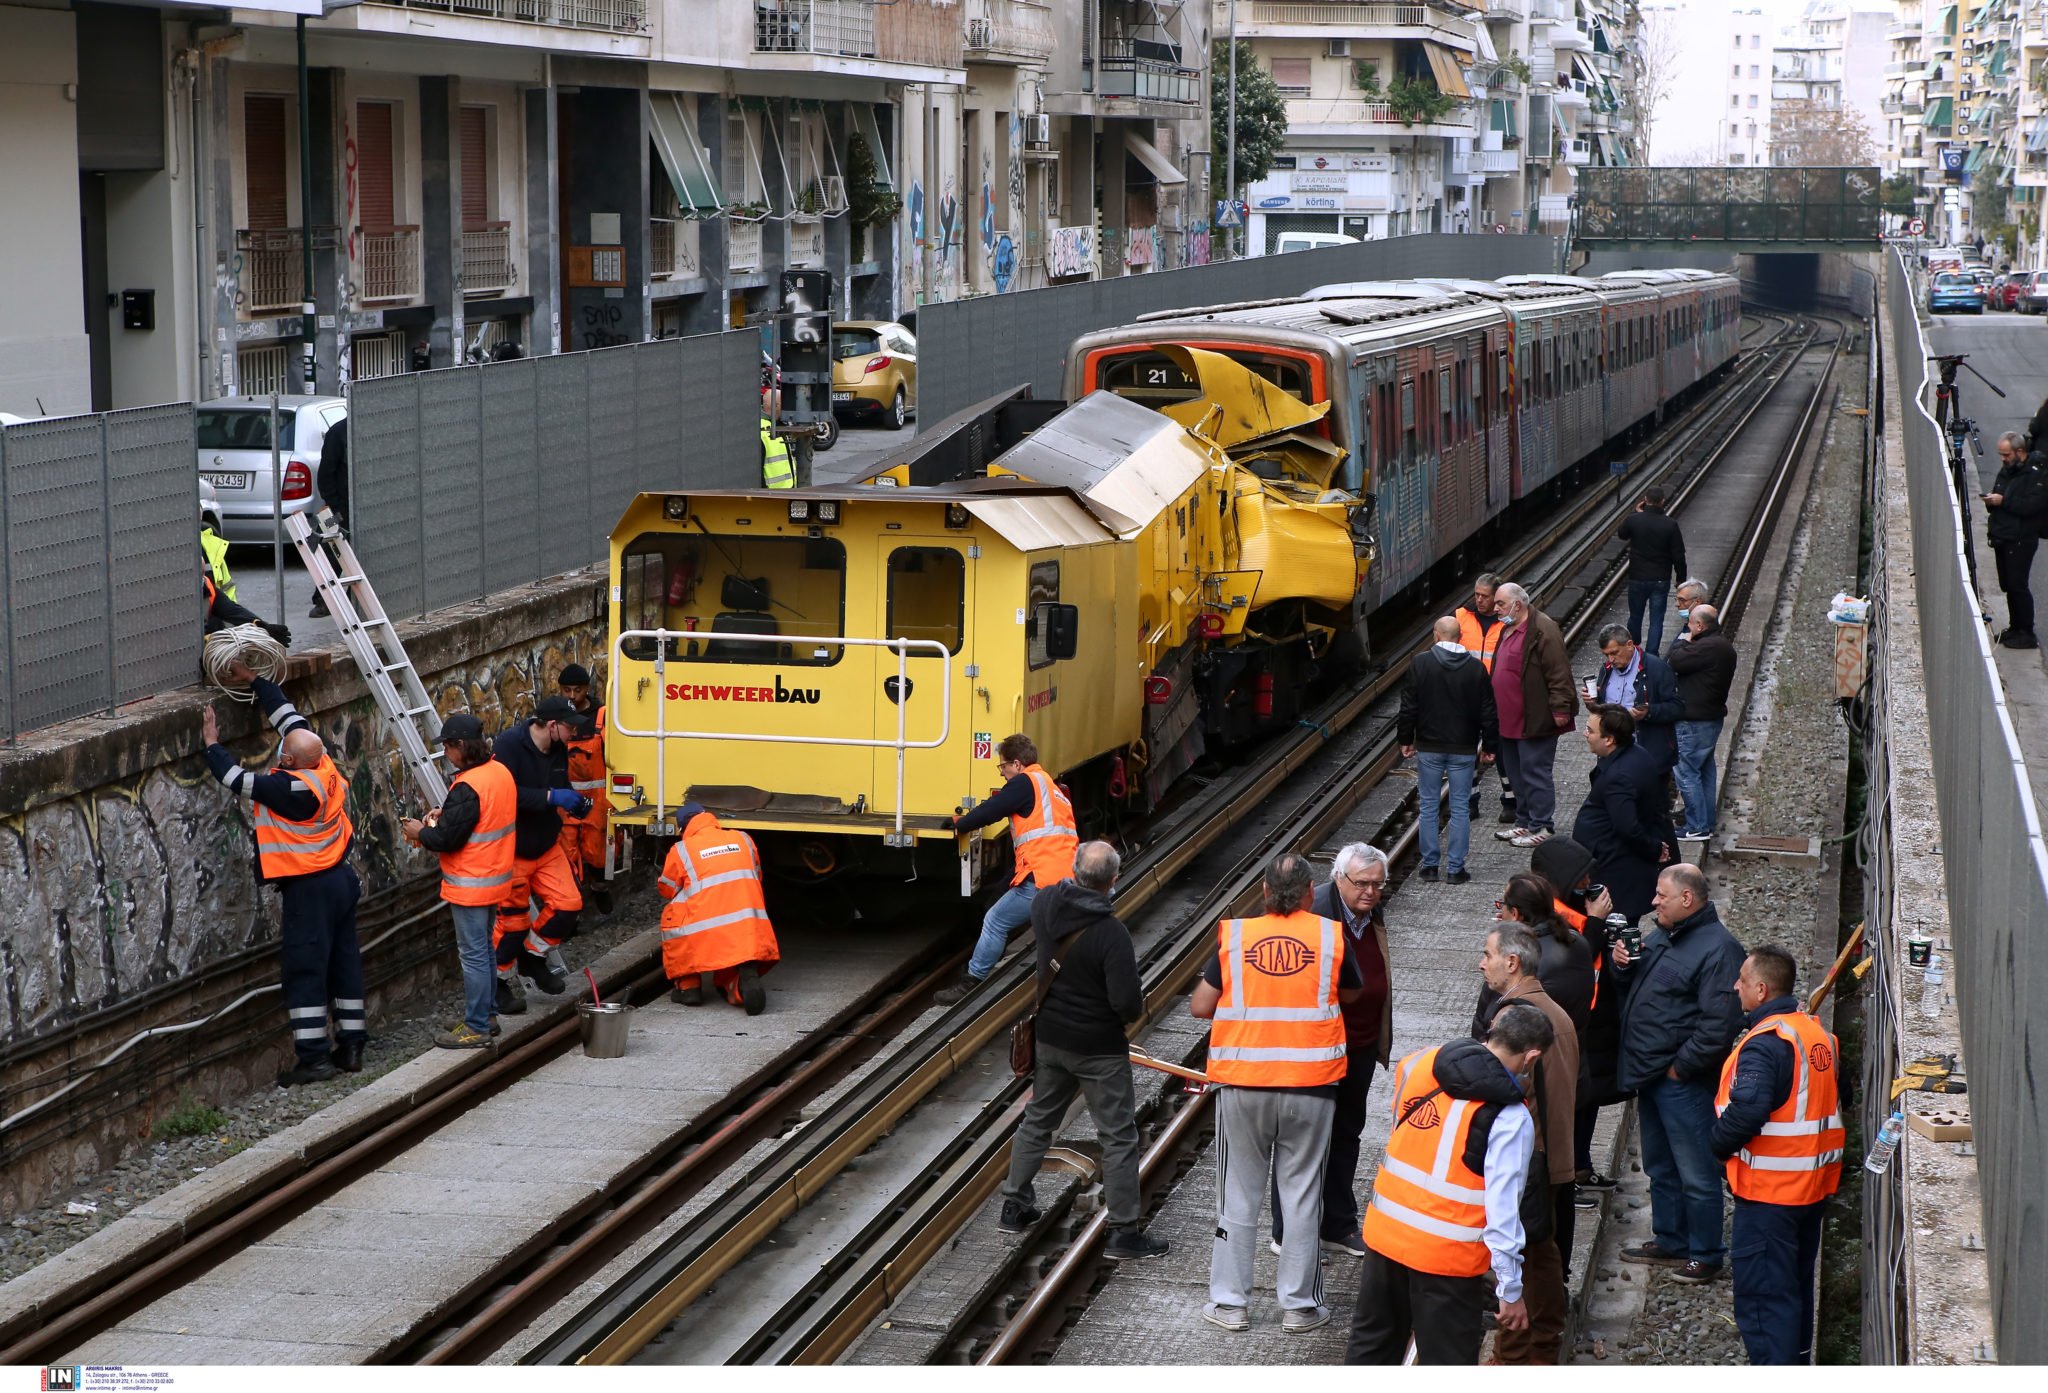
[583, 837]
[715, 923]
[1479, 633]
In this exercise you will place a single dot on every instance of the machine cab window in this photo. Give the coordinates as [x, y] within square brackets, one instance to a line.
[752, 599]
[927, 597]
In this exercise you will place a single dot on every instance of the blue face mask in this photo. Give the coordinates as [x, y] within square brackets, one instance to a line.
[1507, 619]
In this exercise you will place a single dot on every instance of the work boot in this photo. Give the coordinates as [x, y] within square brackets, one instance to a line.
[308, 1071]
[511, 997]
[601, 896]
[752, 995]
[948, 996]
[556, 964]
[1125, 1244]
[348, 1053]
[1018, 1216]
[319, 610]
[692, 995]
[546, 980]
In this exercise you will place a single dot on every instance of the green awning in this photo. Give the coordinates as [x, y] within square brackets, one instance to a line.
[1940, 113]
[1977, 153]
[1502, 117]
[1946, 23]
[1999, 55]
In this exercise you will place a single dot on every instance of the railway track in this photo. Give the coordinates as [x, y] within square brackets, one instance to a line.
[875, 1027]
[818, 1321]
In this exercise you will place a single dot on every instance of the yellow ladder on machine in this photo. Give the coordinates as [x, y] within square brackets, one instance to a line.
[373, 641]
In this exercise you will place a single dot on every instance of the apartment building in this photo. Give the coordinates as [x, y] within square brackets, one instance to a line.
[1906, 147]
[2030, 143]
[453, 176]
[1827, 80]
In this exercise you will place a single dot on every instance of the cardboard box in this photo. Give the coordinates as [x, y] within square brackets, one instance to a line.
[1939, 1126]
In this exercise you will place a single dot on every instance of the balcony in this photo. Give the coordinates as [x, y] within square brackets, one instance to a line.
[1497, 78]
[1122, 72]
[1008, 31]
[1333, 116]
[617, 16]
[742, 245]
[673, 246]
[487, 267]
[271, 278]
[1506, 12]
[1569, 37]
[1487, 163]
[387, 264]
[1576, 152]
[837, 28]
[1312, 18]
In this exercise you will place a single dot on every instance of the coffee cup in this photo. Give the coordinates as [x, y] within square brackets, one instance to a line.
[1919, 950]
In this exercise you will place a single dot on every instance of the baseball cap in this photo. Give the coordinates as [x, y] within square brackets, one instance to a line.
[558, 708]
[462, 726]
[574, 675]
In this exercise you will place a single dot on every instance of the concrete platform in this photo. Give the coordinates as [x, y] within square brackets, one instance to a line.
[407, 1240]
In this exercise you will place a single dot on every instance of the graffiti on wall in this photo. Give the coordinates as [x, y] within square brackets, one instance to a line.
[1003, 266]
[949, 234]
[1070, 251]
[1198, 247]
[1141, 247]
[134, 884]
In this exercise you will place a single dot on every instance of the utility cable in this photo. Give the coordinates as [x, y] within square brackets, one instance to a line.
[249, 645]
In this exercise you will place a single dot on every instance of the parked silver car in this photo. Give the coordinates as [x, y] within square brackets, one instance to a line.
[234, 456]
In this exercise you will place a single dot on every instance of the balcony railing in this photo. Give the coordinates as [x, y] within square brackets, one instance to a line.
[1120, 72]
[1487, 162]
[672, 248]
[487, 267]
[1360, 17]
[742, 245]
[1357, 111]
[271, 271]
[837, 28]
[389, 258]
[1009, 30]
[627, 16]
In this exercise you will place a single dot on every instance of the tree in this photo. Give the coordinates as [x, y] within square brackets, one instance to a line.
[1897, 193]
[1261, 115]
[1807, 132]
[1659, 55]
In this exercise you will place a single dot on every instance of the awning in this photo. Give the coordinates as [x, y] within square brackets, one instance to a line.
[1976, 158]
[864, 123]
[1149, 156]
[1487, 52]
[1996, 67]
[1940, 112]
[1586, 70]
[2037, 136]
[1444, 65]
[1502, 116]
[1945, 23]
[682, 156]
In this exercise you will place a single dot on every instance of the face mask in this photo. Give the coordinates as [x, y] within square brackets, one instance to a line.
[1507, 618]
[1685, 611]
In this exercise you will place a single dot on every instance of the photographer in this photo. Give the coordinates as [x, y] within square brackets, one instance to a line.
[2015, 509]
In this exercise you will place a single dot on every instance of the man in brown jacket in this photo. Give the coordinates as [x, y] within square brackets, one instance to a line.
[1509, 966]
[1533, 696]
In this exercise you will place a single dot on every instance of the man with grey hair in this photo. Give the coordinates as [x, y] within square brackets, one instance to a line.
[1273, 994]
[2014, 511]
[1705, 668]
[1691, 591]
[1088, 994]
[1448, 727]
[1479, 633]
[1535, 704]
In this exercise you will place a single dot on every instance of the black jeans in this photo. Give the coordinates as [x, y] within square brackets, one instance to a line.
[1773, 1248]
[1444, 1314]
[2015, 566]
[1112, 1103]
[1347, 1124]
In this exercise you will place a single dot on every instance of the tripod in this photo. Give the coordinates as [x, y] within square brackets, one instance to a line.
[1948, 412]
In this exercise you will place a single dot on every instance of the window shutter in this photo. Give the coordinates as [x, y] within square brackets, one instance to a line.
[263, 155]
[476, 198]
[1290, 73]
[374, 203]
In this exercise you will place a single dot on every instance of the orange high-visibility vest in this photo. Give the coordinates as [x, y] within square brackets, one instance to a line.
[284, 847]
[715, 916]
[1797, 1157]
[1044, 839]
[477, 872]
[587, 774]
[1278, 1024]
[1480, 643]
[1428, 1209]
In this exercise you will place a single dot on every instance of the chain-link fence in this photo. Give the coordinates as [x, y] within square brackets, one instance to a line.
[1996, 868]
[99, 576]
[972, 349]
[471, 480]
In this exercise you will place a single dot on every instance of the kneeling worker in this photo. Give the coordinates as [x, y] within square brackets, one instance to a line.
[1043, 837]
[473, 837]
[715, 922]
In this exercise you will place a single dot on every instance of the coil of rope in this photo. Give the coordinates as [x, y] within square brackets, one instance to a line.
[250, 646]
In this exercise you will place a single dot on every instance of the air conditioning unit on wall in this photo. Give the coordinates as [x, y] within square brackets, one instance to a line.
[1038, 130]
[1339, 48]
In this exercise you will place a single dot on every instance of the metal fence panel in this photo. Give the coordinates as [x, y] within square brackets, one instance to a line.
[57, 551]
[972, 349]
[8, 729]
[1996, 866]
[384, 467]
[451, 476]
[511, 506]
[565, 427]
[153, 511]
[611, 445]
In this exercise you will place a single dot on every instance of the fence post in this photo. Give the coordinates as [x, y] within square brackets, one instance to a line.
[107, 576]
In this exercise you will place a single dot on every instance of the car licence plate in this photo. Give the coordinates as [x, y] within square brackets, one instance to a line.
[227, 481]
[842, 396]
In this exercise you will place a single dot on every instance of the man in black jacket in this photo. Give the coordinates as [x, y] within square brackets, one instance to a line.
[1639, 680]
[1656, 555]
[332, 481]
[1447, 714]
[1093, 995]
[536, 752]
[1704, 664]
[2015, 510]
[1623, 821]
[1677, 1022]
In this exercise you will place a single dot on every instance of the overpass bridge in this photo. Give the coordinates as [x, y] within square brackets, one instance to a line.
[1730, 210]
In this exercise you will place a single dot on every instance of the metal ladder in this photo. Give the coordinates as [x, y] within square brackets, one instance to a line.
[373, 641]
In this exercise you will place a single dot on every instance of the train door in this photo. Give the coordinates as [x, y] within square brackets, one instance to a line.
[926, 595]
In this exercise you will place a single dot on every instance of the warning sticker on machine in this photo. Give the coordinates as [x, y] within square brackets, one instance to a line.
[984, 744]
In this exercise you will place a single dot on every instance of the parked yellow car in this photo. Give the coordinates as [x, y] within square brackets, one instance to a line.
[874, 372]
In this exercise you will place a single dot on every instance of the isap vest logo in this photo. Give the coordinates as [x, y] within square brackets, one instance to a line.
[1821, 1057]
[1425, 1116]
[1280, 957]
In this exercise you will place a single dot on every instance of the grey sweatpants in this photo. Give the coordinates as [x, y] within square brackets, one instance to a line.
[1284, 1134]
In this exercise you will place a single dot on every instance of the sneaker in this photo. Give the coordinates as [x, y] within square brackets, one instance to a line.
[753, 998]
[1274, 1245]
[496, 1029]
[953, 995]
[1125, 1244]
[1352, 1243]
[1507, 811]
[511, 997]
[1301, 1322]
[1232, 1318]
[546, 980]
[308, 1071]
[1593, 1180]
[1582, 1198]
[687, 996]
[1018, 1217]
[1429, 874]
[1509, 834]
[1458, 878]
[1535, 836]
[1651, 1255]
[461, 1038]
[1695, 1274]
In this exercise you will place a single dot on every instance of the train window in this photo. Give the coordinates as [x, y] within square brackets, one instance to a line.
[1446, 404]
[1153, 378]
[793, 588]
[1044, 594]
[1407, 403]
[1501, 373]
[927, 597]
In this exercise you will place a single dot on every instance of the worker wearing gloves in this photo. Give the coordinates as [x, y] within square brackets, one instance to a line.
[543, 902]
[583, 836]
[715, 922]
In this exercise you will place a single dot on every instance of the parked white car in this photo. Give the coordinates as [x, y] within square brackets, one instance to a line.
[234, 457]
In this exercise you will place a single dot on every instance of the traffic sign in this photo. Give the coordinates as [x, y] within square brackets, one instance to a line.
[1916, 226]
[1228, 217]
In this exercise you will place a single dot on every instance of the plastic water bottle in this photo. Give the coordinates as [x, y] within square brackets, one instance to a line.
[1931, 983]
[1887, 1142]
